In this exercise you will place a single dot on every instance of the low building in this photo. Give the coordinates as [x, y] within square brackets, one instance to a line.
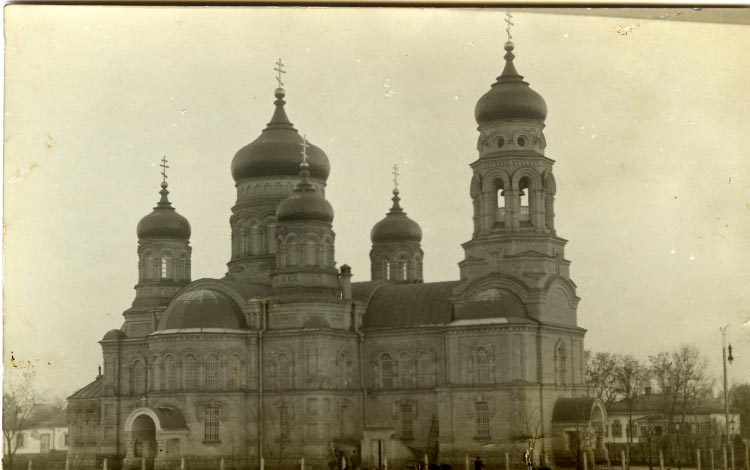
[46, 430]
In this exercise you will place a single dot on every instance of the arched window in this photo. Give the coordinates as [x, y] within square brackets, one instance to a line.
[213, 372]
[191, 372]
[233, 373]
[148, 265]
[525, 199]
[167, 266]
[499, 196]
[254, 239]
[560, 365]
[270, 235]
[406, 370]
[386, 371]
[403, 274]
[245, 238]
[138, 378]
[386, 270]
[344, 370]
[482, 365]
[262, 239]
[157, 374]
[426, 369]
[183, 268]
[310, 252]
[170, 374]
[292, 252]
[284, 371]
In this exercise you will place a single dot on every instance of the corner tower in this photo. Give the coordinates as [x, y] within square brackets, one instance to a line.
[513, 191]
[163, 254]
[265, 173]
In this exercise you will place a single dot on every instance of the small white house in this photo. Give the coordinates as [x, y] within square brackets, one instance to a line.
[46, 430]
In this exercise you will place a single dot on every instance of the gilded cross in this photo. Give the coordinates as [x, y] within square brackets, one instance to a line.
[509, 21]
[304, 145]
[395, 175]
[164, 167]
[279, 69]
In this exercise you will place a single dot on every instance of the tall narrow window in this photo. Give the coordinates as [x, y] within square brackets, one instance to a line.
[148, 264]
[212, 372]
[310, 253]
[407, 422]
[500, 199]
[403, 274]
[284, 371]
[233, 373]
[386, 371]
[386, 270]
[560, 365]
[426, 369]
[482, 365]
[525, 195]
[343, 366]
[245, 240]
[406, 370]
[170, 374]
[293, 252]
[482, 412]
[138, 378]
[191, 372]
[164, 266]
[211, 424]
[254, 239]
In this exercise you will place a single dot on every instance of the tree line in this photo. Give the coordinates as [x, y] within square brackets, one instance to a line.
[680, 383]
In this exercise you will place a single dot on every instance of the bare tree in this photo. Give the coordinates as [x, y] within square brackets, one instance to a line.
[20, 398]
[683, 383]
[601, 377]
[631, 376]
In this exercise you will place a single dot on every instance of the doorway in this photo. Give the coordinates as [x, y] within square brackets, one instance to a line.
[144, 440]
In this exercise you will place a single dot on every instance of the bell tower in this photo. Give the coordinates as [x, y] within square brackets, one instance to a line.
[513, 187]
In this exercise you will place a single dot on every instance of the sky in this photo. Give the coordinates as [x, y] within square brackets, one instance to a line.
[647, 122]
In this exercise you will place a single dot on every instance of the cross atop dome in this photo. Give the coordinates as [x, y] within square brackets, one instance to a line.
[279, 71]
[509, 23]
[304, 146]
[395, 176]
[164, 167]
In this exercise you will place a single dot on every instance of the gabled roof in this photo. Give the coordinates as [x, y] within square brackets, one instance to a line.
[401, 305]
[92, 390]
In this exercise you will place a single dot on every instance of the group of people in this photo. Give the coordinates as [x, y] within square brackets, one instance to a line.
[343, 462]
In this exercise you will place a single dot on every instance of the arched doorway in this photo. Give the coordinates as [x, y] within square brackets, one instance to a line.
[143, 434]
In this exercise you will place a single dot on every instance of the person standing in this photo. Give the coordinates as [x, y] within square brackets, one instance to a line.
[478, 464]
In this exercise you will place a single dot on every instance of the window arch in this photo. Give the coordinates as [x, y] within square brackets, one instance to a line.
[191, 372]
[254, 238]
[138, 377]
[402, 273]
[482, 365]
[417, 267]
[292, 251]
[284, 371]
[387, 373]
[560, 365]
[386, 269]
[270, 235]
[311, 252]
[213, 372]
[233, 373]
[182, 271]
[426, 369]
[170, 374]
[406, 370]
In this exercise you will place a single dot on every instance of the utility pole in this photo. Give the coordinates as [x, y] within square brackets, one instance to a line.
[726, 391]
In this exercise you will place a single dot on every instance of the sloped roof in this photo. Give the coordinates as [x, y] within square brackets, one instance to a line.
[573, 409]
[656, 402]
[92, 390]
[400, 305]
[45, 415]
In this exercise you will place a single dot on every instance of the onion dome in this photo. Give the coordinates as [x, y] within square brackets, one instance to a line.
[276, 151]
[203, 308]
[396, 226]
[114, 335]
[510, 97]
[164, 221]
[305, 204]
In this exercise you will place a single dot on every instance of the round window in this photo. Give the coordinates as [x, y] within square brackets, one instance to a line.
[521, 141]
[500, 142]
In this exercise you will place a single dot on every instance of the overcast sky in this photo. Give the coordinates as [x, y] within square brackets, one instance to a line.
[648, 122]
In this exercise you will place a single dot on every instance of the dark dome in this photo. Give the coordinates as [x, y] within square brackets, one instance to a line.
[510, 97]
[277, 151]
[164, 221]
[203, 308]
[304, 204]
[114, 335]
[396, 226]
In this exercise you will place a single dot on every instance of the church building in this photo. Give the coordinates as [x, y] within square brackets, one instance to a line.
[286, 358]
